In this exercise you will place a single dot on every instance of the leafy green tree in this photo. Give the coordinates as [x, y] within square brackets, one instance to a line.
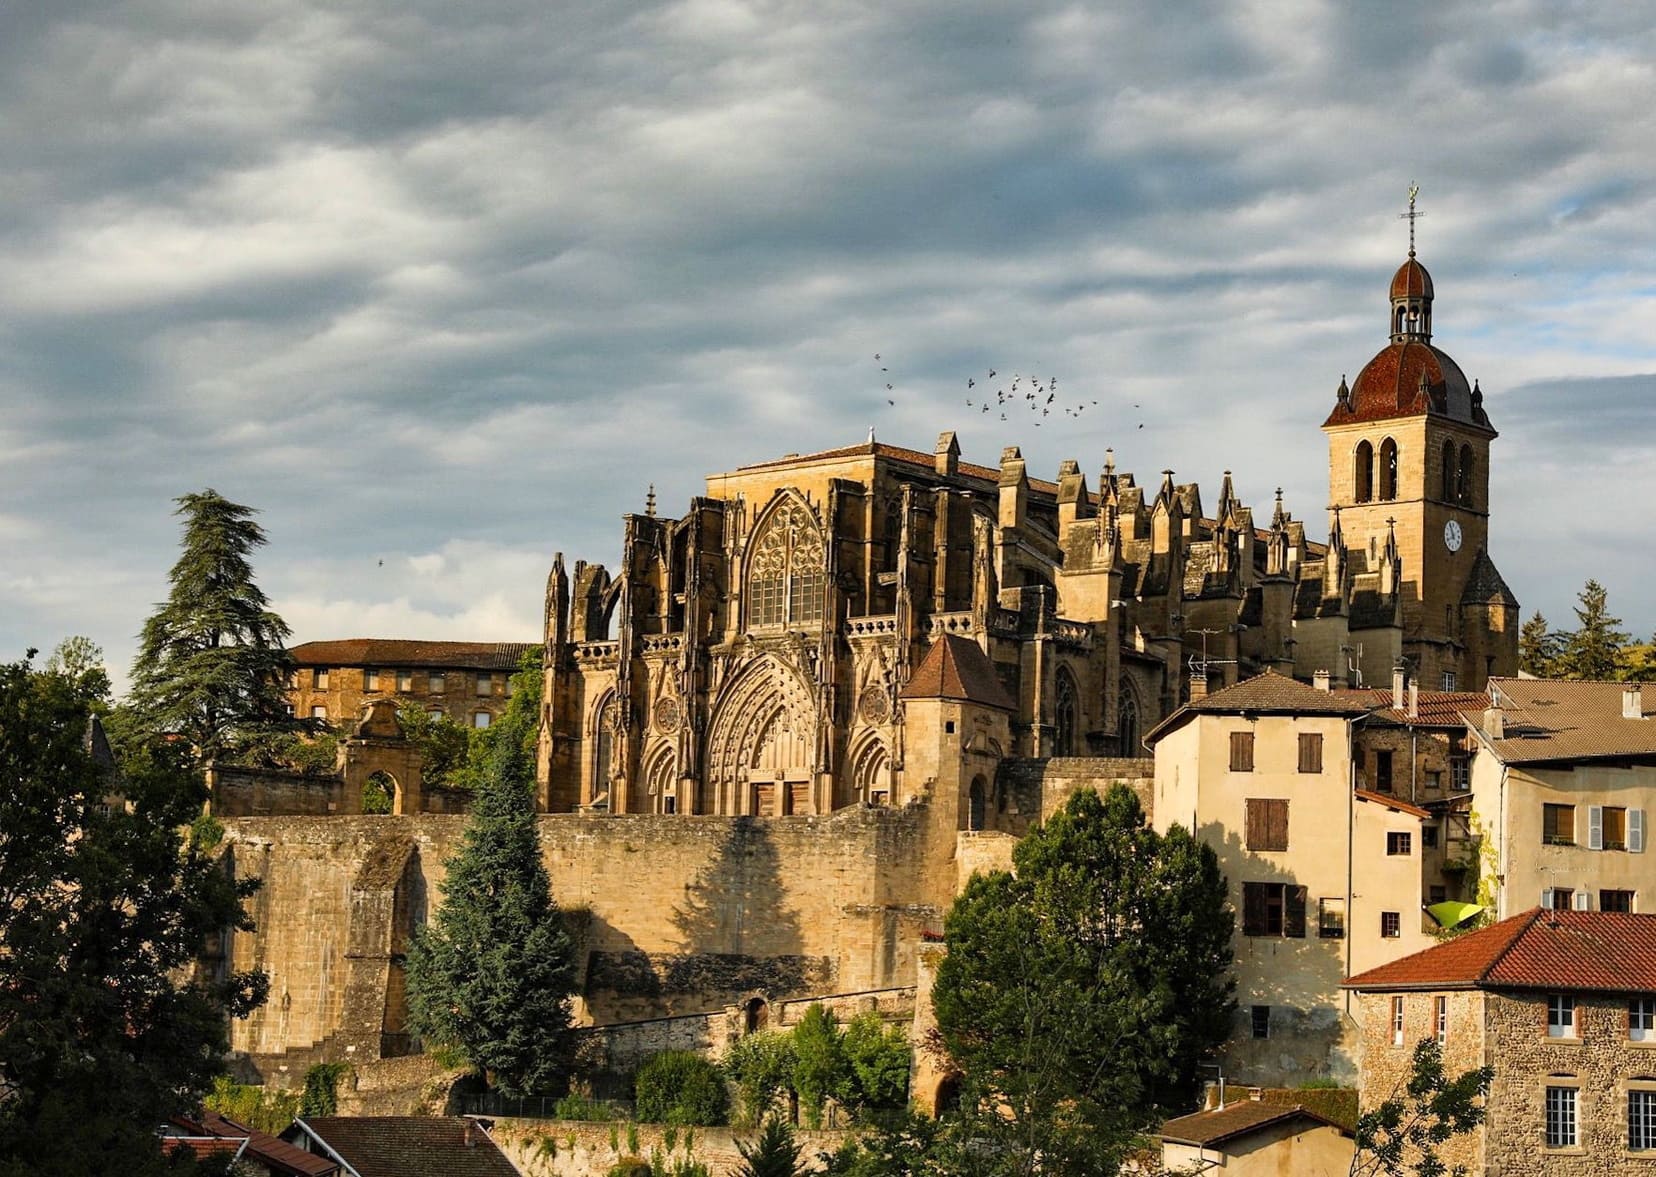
[877, 1060]
[774, 1153]
[819, 1063]
[211, 665]
[908, 1145]
[81, 661]
[1539, 647]
[445, 746]
[1079, 993]
[493, 972]
[1593, 649]
[680, 1087]
[1406, 1133]
[761, 1066]
[103, 909]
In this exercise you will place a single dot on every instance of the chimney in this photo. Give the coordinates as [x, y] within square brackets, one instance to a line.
[1399, 677]
[1414, 700]
[467, 1137]
[1494, 723]
[1211, 1097]
[1322, 681]
[1198, 685]
[1632, 702]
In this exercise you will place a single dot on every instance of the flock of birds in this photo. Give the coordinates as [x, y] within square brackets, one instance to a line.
[1030, 393]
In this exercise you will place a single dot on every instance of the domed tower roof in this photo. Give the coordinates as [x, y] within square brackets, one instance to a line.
[1409, 377]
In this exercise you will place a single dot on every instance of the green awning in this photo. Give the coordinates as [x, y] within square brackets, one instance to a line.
[1453, 913]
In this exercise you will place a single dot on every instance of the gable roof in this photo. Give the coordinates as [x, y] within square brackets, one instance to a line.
[1553, 719]
[1391, 802]
[409, 1146]
[1243, 1118]
[1581, 951]
[211, 1134]
[957, 668]
[1269, 693]
[1447, 709]
[404, 652]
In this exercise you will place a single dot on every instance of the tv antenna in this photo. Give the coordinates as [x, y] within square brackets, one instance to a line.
[1200, 665]
[1352, 668]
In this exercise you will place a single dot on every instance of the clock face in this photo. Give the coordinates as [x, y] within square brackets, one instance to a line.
[1452, 535]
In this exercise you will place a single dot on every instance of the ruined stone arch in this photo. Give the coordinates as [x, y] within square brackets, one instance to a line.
[871, 771]
[786, 572]
[763, 732]
[379, 792]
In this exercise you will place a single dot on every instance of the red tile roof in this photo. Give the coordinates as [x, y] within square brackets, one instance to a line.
[411, 653]
[1575, 951]
[211, 1134]
[403, 1146]
[957, 668]
[1278, 694]
[1243, 1118]
[1432, 708]
[896, 453]
[1391, 802]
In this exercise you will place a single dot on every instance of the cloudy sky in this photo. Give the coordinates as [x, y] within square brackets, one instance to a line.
[442, 288]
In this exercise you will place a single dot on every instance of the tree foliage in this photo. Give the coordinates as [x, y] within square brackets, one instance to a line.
[211, 665]
[774, 1153]
[104, 908]
[1406, 1133]
[761, 1066]
[1079, 994]
[680, 1087]
[1593, 649]
[493, 972]
[1539, 647]
[819, 1062]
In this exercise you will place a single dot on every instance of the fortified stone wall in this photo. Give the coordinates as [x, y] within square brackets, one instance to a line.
[681, 914]
[563, 1148]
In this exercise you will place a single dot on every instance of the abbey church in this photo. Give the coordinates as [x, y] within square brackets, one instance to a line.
[874, 624]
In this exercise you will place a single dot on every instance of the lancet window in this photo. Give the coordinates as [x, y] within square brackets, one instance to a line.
[785, 578]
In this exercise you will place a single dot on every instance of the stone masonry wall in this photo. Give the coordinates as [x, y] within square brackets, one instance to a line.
[682, 914]
[1385, 1067]
[561, 1148]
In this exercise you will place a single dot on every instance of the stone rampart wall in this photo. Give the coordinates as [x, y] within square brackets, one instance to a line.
[563, 1148]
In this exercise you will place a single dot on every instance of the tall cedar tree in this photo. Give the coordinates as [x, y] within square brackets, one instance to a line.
[493, 972]
[103, 910]
[1079, 994]
[211, 665]
[1593, 649]
[1539, 647]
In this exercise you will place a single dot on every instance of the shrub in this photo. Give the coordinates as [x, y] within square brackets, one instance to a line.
[819, 1061]
[630, 1167]
[206, 832]
[775, 1153]
[680, 1087]
[761, 1066]
[579, 1105]
[321, 1097]
[877, 1060]
[268, 1111]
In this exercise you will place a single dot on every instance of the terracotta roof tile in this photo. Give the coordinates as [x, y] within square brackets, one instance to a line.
[1208, 1129]
[897, 453]
[1275, 692]
[957, 668]
[1576, 951]
[401, 1146]
[211, 1134]
[1432, 708]
[1551, 720]
[411, 653]
[1391, 802]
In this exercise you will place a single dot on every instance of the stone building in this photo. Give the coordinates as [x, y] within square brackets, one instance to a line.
[749, 656]
[1562, 1004]
[464, 681]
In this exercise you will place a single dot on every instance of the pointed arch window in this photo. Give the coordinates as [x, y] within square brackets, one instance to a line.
[1388, 469]
[785, 579]
[604, 723]
[1127, 724]
[1463, 477]
[1064, 715]
[1449, 494]
[1363, 472]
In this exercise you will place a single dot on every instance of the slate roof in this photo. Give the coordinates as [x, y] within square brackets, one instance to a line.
[401, 652]
[1212, 1128]
[1484, 583]
[1555, 720]
[411, 1146]
[1575, 951]
[957, 668]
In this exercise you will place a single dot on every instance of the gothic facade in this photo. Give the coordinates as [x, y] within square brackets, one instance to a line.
[766, 652]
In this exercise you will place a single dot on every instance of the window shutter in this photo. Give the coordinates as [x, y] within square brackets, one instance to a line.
[1276, 825]
[1253, 909]
[1255, 814]
[1242, 759]
[1546, 898]
[1635, 831]
[1293, 915]
[1595, 827]
[1581, 899]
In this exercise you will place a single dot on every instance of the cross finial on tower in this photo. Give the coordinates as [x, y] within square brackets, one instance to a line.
[1411, 216]
[649, 502]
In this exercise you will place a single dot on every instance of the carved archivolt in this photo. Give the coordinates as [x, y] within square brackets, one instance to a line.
[764, 720]
[871, 771]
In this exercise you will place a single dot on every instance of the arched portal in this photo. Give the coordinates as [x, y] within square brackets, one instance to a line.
[379, 793]
[977, 801]
[755, 1015]
[1449, 479]
[871, 774]
[761, 744]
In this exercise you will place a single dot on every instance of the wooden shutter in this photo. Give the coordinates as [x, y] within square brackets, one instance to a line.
[1635, 831]
[1242, 749]
[1266, 824]
[1595, 827]
[1254, 823]
[1310, 752]
[1253, 908]
[1293, 912]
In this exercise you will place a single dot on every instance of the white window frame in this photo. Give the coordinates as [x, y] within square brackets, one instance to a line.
[1641, 1129]
[481, 720]
[1558, 1004]
[1567, 1107]
[370, 678]
[1397, 1021]
[1635, 830]
[436, 682]
[1641, 1019]
[405, 680]
[319, 711]
[1441, 1019]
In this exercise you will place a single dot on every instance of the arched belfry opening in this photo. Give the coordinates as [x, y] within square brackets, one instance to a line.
[1388, 470]
[1362, 472]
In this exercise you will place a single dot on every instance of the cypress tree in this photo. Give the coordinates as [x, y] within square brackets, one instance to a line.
[211, 665]
[493, 972]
